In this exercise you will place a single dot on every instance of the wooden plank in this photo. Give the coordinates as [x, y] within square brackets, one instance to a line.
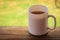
[21, 33]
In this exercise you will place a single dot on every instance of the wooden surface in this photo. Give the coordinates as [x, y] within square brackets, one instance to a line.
[21, 33]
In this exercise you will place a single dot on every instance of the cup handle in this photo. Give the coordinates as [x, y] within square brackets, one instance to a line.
[54, 22]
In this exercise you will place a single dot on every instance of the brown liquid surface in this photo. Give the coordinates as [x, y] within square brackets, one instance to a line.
[37, 12]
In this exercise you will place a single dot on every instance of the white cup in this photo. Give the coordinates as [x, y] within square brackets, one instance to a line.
[38, 23]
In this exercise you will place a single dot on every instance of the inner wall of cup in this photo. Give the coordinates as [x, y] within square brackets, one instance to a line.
[38, 8]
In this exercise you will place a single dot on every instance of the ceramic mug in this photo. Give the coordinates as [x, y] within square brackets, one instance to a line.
[38, 20]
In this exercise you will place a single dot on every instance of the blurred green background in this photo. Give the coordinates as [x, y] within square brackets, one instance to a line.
[14, 12]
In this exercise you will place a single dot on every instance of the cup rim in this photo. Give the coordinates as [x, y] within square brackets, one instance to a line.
[37, 5]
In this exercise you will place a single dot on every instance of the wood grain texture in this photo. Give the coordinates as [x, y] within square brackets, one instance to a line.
[21, 33]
